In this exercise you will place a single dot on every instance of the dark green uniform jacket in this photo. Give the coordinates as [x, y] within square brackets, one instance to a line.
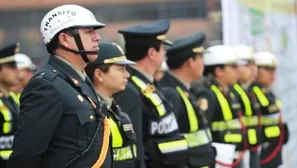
[58, 121]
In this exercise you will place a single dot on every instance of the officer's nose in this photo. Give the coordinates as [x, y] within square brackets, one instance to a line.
[97, 37]
[127, 74]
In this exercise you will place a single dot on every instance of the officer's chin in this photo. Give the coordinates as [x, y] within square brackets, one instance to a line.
[123, 87]
[92, 57]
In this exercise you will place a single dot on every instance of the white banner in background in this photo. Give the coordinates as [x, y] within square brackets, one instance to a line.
[269, 25]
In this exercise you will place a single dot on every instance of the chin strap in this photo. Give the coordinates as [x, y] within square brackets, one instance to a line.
[81, 51]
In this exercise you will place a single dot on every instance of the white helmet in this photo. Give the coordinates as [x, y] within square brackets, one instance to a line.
[244, 52]
[66, 16]
[219, 54]
[23, 61]
[266, 59]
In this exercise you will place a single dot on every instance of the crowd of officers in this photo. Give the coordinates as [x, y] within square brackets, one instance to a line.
[122, 110]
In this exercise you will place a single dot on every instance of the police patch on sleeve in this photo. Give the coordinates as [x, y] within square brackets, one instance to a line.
[202, 104]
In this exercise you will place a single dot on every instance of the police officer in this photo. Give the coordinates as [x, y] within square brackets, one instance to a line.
[250, 107]
[163, 145]
[26, 71]
[8, 107]
[274, 129]
[185, 62]
[108, 74]
[225, 116]
[62, 123]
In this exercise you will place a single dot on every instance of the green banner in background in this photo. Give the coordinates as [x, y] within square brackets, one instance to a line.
[257, 22]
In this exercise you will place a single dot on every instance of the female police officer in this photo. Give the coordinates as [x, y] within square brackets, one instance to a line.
[109, 75]
[275, 130]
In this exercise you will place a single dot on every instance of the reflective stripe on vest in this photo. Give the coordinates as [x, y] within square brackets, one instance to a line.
[7, 124]
[278, 103]
[117, 140]
[270, 121]
[153, 97]
[16, 97]
[169, 146]
[251, 121]
[124, 153]
[173, 146]
[120, 153]
[228, 123]
[227, 114]
[198, 138]
[245, 99]
[193, 121]
[4, 154]
[261, 96]
[248, 120]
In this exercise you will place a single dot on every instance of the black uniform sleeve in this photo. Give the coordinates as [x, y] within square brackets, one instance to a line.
[130, 102]
[172, 96]
[41, 110]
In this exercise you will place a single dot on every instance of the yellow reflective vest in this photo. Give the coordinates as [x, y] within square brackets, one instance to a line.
[270, 108]
[229, 128]
[15, 96]
[6, 130]
[196, 136]
[161, 123]
[251, 118]
[121, 150]
[199, 135]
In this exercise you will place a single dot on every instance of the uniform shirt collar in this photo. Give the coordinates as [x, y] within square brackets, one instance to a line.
[245, 86]
[215, 82]
[188, 86]
[147, 76]
[79, 72]
[4, 92]
[107, 99]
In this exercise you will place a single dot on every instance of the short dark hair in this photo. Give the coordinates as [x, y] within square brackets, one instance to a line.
[134, 53]
[177, 64]
[211, 69]
[10, 64]
[104, 68]
[53, 45]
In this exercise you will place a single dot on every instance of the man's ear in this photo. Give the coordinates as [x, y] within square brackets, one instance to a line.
[151, 52]
[219, 71]
[64, 39]
[191, 62]
[98, 75]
